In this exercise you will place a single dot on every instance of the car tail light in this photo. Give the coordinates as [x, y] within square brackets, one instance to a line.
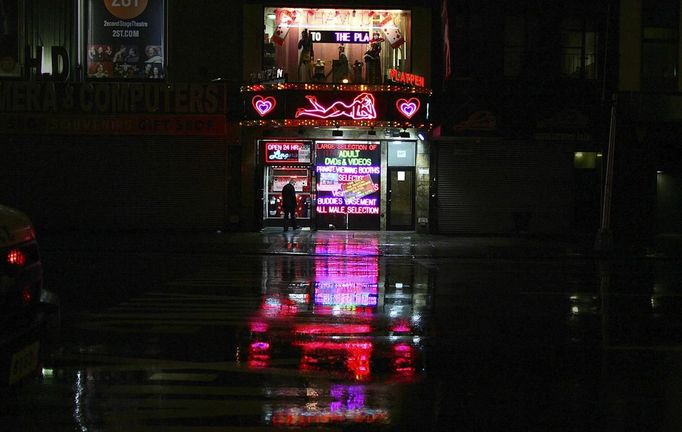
[16, 257]
[26, 295]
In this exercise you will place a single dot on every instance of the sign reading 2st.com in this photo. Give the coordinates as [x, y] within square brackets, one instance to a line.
[126, 39]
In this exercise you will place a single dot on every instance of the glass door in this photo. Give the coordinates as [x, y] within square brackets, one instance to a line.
[275, 179]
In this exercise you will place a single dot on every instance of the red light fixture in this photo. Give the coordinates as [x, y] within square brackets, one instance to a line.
[16, 257]
[26, 295]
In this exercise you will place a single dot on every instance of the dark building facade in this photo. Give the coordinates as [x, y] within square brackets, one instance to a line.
[134, 115]
[524, 120]
[521, 135]
[115, 115]
[188, 130]
[647, 208]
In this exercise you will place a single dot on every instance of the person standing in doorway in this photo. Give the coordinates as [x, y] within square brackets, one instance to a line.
[289, 204]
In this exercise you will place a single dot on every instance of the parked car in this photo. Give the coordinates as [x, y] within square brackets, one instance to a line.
[26, 307]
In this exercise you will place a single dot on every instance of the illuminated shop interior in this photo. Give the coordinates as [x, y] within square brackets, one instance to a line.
[348, 45]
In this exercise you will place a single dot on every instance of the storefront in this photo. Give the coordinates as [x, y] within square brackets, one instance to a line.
[336, 107]
[117, 156]
[348, 173]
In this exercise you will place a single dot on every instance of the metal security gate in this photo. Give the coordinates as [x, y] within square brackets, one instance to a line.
[99, 182]
[504, 187]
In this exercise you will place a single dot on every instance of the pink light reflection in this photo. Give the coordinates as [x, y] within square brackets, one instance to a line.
[354, 355]
[401, 326]
[404, 360]
[332, 329]
[259, 355]
[259, 327]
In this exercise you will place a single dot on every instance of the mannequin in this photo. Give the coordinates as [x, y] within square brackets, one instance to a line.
[373, 60]
[305, 59]
[340, 67]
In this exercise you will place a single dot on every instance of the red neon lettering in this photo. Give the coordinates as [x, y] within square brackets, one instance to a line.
[405, 77]
[361, 108]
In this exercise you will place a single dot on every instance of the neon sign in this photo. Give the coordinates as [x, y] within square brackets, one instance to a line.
[286, 152]
[348, 178]
[361, 108]
[346, 37]
[263, 104]
[405, 78]
[408, 107]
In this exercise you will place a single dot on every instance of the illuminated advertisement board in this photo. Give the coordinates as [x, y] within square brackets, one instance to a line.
[338, 36]
[126, 39]
[286, 152]
[348, 177]
[317, 107]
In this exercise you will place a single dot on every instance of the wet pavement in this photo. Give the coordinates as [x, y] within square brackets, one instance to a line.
[353, 331]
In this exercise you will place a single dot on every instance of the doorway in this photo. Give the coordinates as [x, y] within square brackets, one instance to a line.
[400, 198]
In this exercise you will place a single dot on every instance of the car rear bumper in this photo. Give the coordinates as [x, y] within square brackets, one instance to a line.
[23, 346]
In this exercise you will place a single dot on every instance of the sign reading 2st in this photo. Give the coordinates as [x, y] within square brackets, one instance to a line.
[126, 9]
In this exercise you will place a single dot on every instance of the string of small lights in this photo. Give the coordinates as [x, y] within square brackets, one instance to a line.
[336, 87]
[333, 123]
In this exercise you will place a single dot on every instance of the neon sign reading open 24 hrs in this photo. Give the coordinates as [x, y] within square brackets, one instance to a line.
[361, 108]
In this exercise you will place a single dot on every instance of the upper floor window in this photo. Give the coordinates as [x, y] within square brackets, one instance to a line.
[336, 45]
[660, 29]
[578, 48]
[514, 45]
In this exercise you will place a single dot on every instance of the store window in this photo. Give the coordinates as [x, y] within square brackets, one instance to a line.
[578, 48]
[514, 45]
[402, 153]
[276, 178]
[284, 161]
[336, 45]
[585, 160]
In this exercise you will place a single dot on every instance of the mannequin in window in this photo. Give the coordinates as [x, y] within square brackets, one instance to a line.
[340, 67]
[305, 59]
[373, 59]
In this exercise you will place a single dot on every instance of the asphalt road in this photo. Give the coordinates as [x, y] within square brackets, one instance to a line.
[334, 333]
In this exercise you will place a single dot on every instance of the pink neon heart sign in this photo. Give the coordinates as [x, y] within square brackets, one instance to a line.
[263, 104]
[407, 107]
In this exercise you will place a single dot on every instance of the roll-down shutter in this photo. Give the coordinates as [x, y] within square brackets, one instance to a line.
[501, 187]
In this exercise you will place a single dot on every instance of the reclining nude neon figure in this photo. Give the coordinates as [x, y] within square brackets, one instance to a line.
[362, 107]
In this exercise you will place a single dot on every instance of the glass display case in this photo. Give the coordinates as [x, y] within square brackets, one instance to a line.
[275, 179]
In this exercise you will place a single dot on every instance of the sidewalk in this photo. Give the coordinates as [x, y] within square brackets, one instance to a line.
[306, 242]
[271, 241]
